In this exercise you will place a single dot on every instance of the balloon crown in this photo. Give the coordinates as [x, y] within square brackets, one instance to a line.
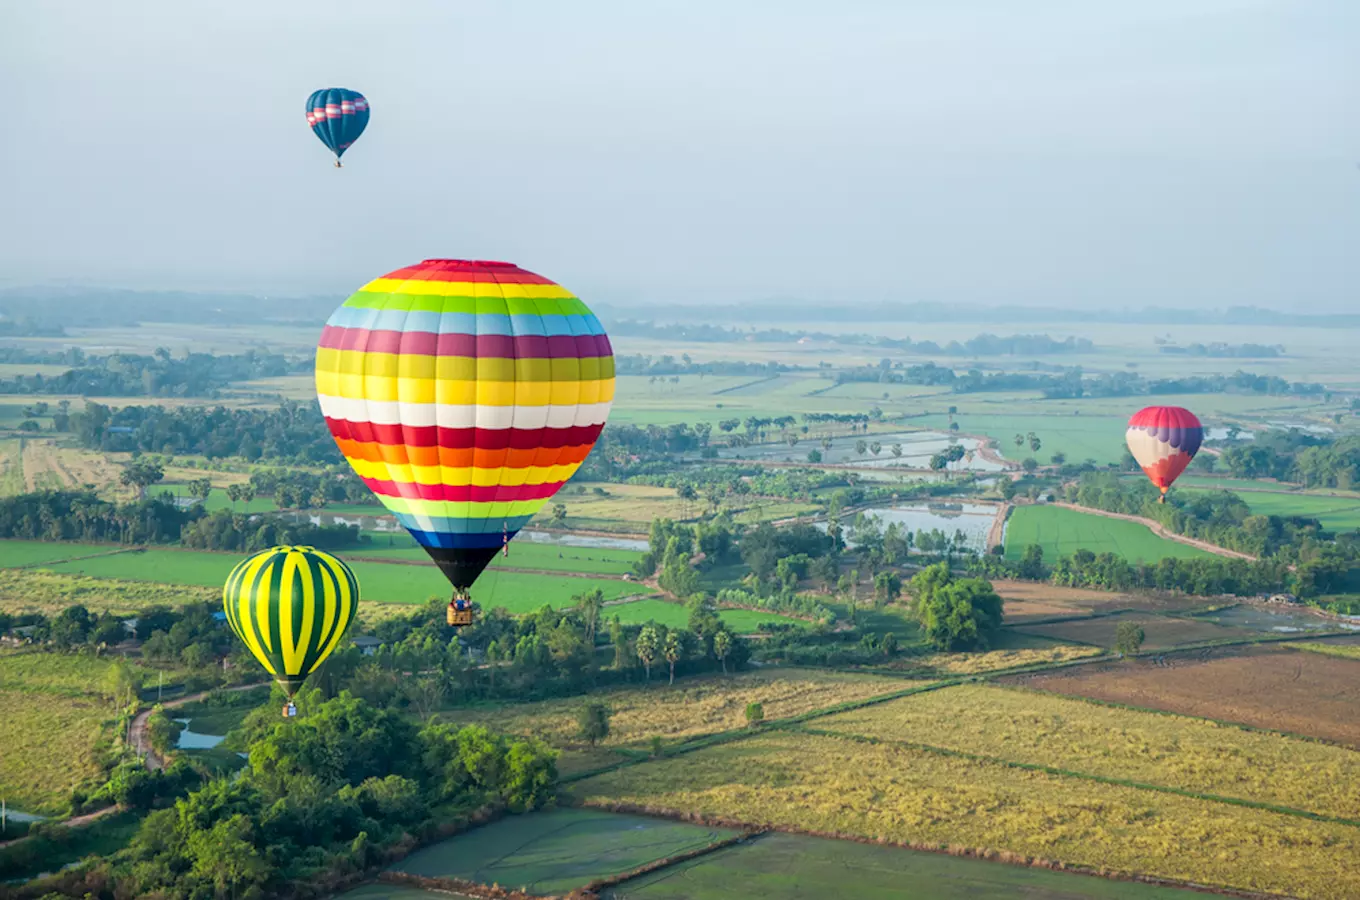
[468, 264]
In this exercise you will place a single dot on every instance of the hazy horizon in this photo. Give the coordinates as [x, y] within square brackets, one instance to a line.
[1061, 155]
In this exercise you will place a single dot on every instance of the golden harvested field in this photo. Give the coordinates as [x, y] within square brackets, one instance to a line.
[48, 464]
[37, 590]
[994, 660]
[1150, 748]
[1267, 687]
[693, 707]
[890, 792]
[1161, 632]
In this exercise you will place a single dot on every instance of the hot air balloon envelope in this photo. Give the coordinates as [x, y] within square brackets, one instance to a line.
[291, 606]
[1163, 439]
[464, 394]
[337, 116]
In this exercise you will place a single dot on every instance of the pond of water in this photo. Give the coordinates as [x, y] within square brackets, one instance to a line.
[973, 519]
[917, 448]
[193, 740]
[15, 815]
[1283, 621]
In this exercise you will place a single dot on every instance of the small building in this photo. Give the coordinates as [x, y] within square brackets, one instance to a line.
[367, 644]
[219, 618]
[130, 627]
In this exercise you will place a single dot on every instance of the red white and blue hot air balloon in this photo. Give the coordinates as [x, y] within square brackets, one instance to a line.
[1163, 439]
[337, 116]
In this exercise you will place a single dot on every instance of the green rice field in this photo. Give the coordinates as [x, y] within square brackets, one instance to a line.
[556, 851]
[1082, 437]
[523, 555]
[673, 615]
[15, 553]
[384, 582]
[1062, 532]
[797, 867]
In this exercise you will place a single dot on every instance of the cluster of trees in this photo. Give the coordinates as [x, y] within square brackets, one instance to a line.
[956, 613]
[293, 489]
[158, 375]
[1297, 456]
[325, 795]
[84, 516]
[291, 432]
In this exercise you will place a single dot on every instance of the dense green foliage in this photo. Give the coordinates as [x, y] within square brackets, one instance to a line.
[1297, 456]
[956, 614]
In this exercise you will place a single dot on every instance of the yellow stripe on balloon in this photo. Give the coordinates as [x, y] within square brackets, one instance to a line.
[383, 388]
[467, 289]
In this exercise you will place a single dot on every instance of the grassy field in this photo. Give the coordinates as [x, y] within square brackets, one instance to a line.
[1081, 437]
[898, 793]
[553, 852]
[693, 707]
[995, 660]
[1150, 748]
[523, 554]
[797, 867]
[11, 467]
[1267, 687]
[39, 590]
[383, 582]
[1062, 532]
[53, 718]
[1342, 651]
[1159, 632]
[15, 553]
[380, 891]
[674, 615]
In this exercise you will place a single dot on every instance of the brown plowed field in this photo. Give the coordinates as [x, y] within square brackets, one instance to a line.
[1160, 632]
[1267, 687]
[1027, 600]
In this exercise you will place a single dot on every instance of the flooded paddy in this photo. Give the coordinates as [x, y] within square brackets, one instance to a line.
[1282, 620]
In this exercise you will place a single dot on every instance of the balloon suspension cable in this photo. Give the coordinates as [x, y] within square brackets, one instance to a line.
[505, 538]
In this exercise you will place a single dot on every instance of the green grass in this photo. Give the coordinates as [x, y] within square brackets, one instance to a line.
[556, 851]
[380, 891]
[674, 615]
[523, 555]
[11, 465]
[1081, 436]
[1061, 532]
[796, 867]
[14, 553]
[382, 582]
[39, 856]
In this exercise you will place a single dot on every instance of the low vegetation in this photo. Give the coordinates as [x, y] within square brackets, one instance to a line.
[893, 793]
[1144, 747]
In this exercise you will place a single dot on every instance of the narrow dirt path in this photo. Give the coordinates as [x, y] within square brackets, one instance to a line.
[1160, 531]
[997, 532]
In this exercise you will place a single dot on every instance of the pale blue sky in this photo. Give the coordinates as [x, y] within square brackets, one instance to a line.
[1061, 152]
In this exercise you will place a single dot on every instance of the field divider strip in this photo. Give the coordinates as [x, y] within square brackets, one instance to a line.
[738, 734]
[1084, 776]
[599, 884]
[59, 562]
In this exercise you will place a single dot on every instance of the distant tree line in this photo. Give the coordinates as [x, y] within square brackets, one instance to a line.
[158, 375]
[1220, 350]
[667, 365]
[83, 516]
[982, 345]
[1072, 383]
[292, 432]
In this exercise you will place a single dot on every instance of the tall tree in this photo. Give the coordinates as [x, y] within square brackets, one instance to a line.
[648, 644]
[674, 651]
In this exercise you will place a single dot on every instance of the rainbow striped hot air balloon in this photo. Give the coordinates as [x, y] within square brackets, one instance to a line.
[291, 606]
[464, 394]
[1163, 439]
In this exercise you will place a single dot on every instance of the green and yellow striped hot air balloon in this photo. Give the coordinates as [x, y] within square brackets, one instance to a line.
[291, 606]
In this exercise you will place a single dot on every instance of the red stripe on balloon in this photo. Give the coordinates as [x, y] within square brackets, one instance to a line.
[1165, 471]
[1164, 417]
[465, 438]
[481, 346]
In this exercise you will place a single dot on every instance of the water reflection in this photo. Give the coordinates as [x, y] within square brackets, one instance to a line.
[193, 740]
[973, 519]
[917, 447]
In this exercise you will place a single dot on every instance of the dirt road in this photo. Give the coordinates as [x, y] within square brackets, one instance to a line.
[138, 734]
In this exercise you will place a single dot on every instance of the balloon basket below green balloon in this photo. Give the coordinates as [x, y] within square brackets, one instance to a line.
[289, 710]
